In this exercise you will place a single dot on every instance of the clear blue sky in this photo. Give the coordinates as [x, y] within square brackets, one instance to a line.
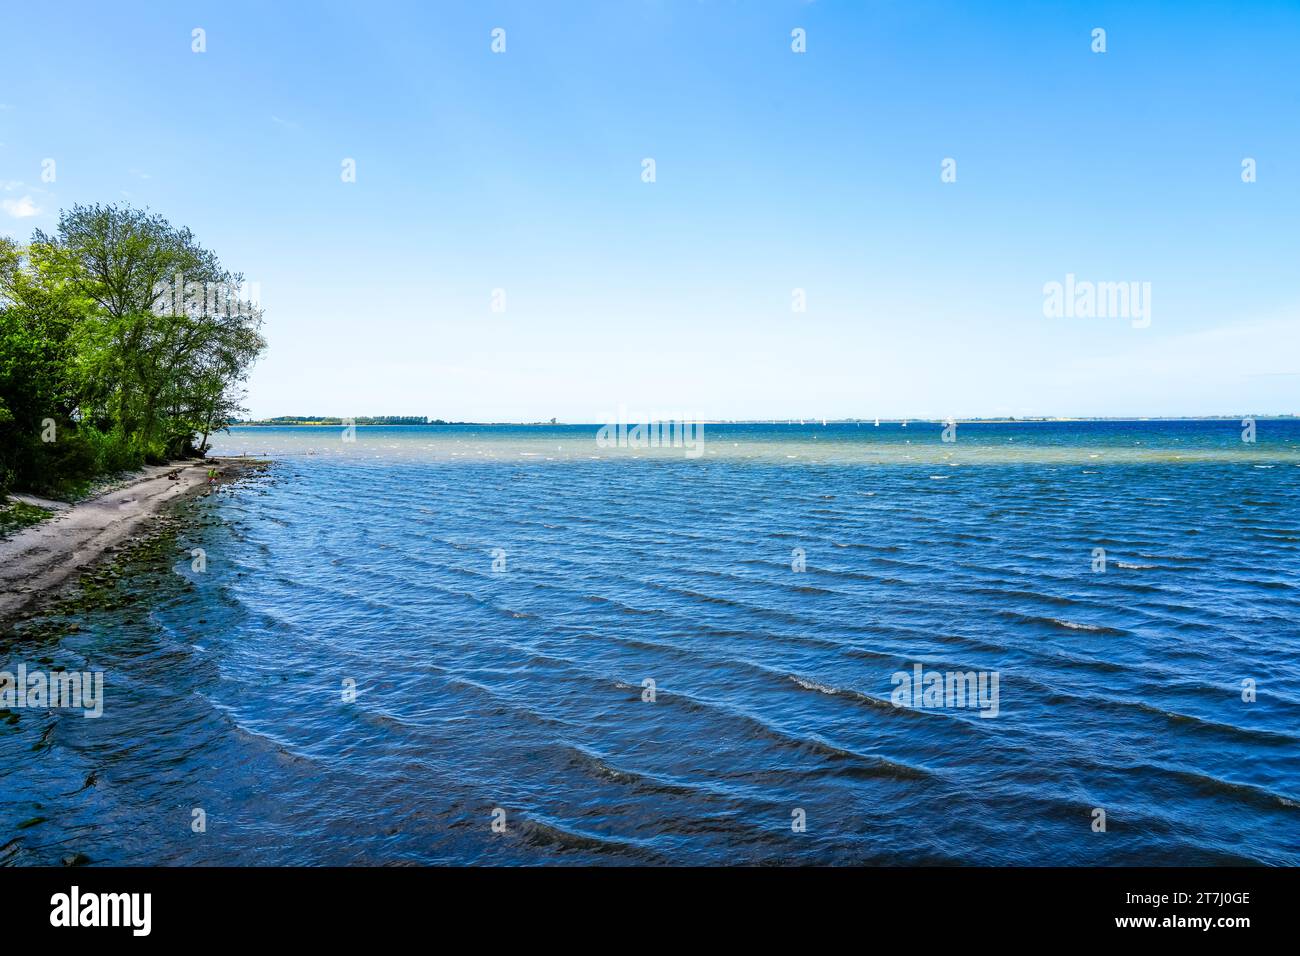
[775, 171]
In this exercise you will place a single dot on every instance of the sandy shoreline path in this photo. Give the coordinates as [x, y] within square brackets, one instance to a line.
[37, 561]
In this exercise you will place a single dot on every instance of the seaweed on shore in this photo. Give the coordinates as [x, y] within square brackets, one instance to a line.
[144, 560]
[16, 515]
[99, 587]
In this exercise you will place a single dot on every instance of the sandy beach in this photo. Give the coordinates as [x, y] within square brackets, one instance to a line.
[37, 561]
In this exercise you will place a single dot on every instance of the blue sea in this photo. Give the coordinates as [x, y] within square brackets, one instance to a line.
[511, 645]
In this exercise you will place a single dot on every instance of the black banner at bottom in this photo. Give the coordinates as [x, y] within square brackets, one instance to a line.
[335, 904]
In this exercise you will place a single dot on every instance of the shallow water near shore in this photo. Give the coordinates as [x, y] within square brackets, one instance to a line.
[521, 687]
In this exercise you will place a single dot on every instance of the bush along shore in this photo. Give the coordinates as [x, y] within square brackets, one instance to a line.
[123, 343]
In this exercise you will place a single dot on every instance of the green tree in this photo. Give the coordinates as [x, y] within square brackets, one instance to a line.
[123, 332]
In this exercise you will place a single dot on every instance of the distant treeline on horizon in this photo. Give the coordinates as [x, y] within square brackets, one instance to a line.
[328, 420]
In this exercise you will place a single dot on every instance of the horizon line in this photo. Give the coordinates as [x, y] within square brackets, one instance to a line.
[365, 421]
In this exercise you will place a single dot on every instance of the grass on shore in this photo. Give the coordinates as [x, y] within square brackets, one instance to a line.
[16, 515]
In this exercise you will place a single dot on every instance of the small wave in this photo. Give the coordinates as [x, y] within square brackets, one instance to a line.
[596, 766]
[621, 607]
[1008, 593]
[853, 764]
[810, 589]
[1218, 727]
[813, 685]
[541, 834]
[1076, 626]
[1063, 623]
[1205, 783]
[857, 697]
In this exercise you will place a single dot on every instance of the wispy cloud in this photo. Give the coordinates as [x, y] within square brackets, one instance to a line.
[287, 124]
[20, 208]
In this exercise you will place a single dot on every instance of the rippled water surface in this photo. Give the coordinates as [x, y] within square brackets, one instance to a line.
[522, 689]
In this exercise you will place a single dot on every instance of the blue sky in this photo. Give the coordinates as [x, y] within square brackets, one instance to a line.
[775, 171]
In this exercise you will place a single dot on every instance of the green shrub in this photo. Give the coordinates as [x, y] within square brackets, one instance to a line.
[114, 452]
